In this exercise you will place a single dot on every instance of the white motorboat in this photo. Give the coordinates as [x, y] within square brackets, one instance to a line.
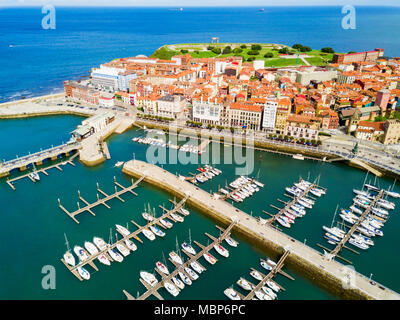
[347, 218]
[256, 275]
[371, 187]
[148, 278]
[358, 243]
[148, 234]
[147, 216]
[191, 273]
[166, 223]
[100, 243]
[69, 258]
[258, 183]
[231, 294]
[84, 273]
[355, 209]
[196, 267]
[91, 248]
[81, 253]
[231, 242]
[188, 248]
[157, 231]
[175, 257]
[266, 265]
[170, 287]
[186, 280]
[176, 217]
[304, 203]
[34, 176]
[130, 244]
[273, 286]
[122, 230]
[269, 292]
[283, 222]
[184, 211]
[115, 255]
[118, 164]
[162, 267]
[124, 250]
[179, 283]
[261, 296]
[209, 258]
[243, 283]
[359, 237]
[392, 194]
[103, 259]
[221, 250]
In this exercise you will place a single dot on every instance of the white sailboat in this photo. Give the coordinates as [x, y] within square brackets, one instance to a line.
[68, 256]
[123, 230]
[231, 294]
[148, 278]
[100, 243]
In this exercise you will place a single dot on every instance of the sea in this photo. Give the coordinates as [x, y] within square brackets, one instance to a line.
[35, 61]
[33, 229]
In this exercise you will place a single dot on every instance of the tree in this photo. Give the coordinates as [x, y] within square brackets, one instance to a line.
[253, 52]
[284, 50]
[237, 50]
[305, 49]
[255, 47]
[227, 50]
[210, 48]
[269, 55]
[216, 50]
[243, 46]
[297, 46]
[327, 50]
[184, 51]
[251, 59]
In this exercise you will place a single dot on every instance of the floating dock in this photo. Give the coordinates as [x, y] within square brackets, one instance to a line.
[204, 249]
[101, 201]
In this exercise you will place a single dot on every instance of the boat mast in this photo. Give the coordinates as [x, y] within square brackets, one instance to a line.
[337, 206]
[67, 243]
[365, 179]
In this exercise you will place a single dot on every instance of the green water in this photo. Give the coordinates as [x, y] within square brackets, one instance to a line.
[32, 226]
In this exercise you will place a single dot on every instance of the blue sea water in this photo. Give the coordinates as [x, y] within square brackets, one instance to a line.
[36, 61]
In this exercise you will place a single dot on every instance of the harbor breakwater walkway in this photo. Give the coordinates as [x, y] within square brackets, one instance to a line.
[325, 271]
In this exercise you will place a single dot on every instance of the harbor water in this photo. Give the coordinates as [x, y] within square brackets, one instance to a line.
[32, 225]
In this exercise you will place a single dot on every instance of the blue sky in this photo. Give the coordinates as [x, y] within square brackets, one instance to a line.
[196, 3]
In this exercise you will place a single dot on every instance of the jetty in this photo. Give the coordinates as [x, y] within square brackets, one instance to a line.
[180, 268]
[101, 201]
[131, 236]
[328, 273]
[268, 277]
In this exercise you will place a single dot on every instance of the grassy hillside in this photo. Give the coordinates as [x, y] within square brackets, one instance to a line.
[268, 52]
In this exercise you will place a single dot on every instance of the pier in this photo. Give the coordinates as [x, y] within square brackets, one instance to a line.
[328, 273]
[101, 201]
[10, 182]
[204, 249]
[131, 236]
[289, 204]
[37, 158]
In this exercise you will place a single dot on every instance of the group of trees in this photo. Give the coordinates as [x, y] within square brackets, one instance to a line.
[301, 48]
[152, 117]
[292, 139]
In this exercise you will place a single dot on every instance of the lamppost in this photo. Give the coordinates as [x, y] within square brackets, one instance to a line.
[370, 277]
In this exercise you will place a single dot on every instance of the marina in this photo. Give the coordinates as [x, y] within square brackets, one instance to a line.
[125, 236]
[153, 290]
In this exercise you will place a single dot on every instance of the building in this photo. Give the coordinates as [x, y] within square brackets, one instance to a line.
[207, 112]
[370, 131]
[392, 132]
[315, 74]
[246, 116]
[282, 113]
[269, 115]
[171, 106]
[382, 99]
[368, 56]
[299, 126]
[99, 121]
[81, 93]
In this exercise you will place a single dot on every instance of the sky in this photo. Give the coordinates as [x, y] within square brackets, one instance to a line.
[195, 3]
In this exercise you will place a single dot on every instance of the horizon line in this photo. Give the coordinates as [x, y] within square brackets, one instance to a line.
[195, 6]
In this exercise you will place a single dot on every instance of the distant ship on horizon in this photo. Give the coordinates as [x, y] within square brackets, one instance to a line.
[262, 10]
